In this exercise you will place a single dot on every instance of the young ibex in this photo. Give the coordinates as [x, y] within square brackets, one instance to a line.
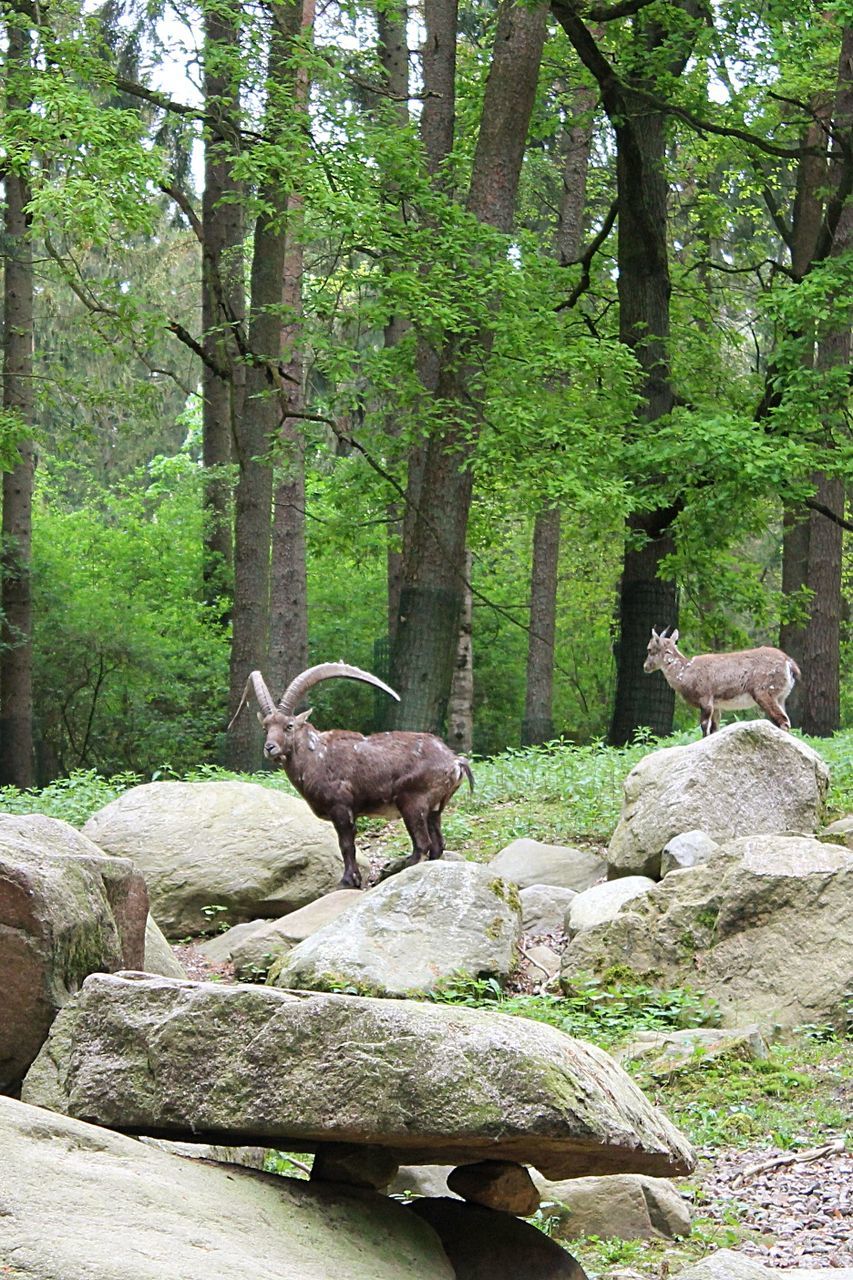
[716, 682]
[345, 776]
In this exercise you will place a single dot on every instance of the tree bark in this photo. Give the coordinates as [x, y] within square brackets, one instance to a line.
[460, 709]
[223, 300]
[289, 575]
[538, 724]
[16, 649]
[821, 697]
[645, 598]
[440, 496]
[257, 431]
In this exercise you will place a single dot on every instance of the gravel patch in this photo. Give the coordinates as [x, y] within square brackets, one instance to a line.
[801, 1214]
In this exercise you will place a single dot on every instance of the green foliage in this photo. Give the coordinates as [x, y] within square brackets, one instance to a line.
[130, 669]
[73, 799]
[605, 1011]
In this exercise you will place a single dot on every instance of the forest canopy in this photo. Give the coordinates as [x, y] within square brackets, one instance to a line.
[464, 342]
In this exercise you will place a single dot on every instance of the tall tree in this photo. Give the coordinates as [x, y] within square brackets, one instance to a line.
[538, 723]
[646, 598]
[439, 494]
[223, 302]
[16, 652]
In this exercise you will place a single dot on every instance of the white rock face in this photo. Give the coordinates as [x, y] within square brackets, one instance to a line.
[87, 1202]
[254, 850]
[763, 927]
[603, 902]
[725, 1264]
[748, 779]
[257, 950]
[686, 850]
[529, 862]
[421, 927]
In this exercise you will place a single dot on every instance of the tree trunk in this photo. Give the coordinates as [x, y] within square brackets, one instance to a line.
[258, 429]
[222, 300]
[16, 650]
[439, 499]
[288, 653]
[538, 723]
[393, 50]
[460, 708]
[796, 525]
[821, 697]
[645, 599]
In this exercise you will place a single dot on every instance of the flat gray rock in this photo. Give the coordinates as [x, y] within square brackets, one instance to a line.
[629, 1206]
[528, 862]
[544, 906]
[726, 1264]
[433, 1083]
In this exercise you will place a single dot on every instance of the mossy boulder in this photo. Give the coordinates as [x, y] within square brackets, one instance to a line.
[749, 779]
[65, 911]
[762, 927]
[431, 1083]
[422, 927]
[252, 851]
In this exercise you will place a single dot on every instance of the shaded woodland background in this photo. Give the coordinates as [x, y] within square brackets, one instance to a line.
[464, 342]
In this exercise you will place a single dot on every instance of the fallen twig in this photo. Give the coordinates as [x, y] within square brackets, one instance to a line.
[790, 1157]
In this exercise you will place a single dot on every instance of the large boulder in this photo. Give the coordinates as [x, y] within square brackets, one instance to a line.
[763, 927]
[749, 779]
[85, 1202]
[432, 1083]
[252, 850]
[65, 911]
[529, 862]
[627, 1206]
[424, 926]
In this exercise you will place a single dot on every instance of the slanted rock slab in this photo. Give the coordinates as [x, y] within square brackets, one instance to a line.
[256, 851]
[426, 925]
[726, 1264]
[85, 1202]
[749, 779]
[529, 862]
[628, 1206]
[662, 1053]
[65, 911]
[159, 956]
[686, 850]
[256, 951]
[432, 1083]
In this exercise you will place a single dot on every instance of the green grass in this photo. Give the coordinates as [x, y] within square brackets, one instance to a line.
[557, 793]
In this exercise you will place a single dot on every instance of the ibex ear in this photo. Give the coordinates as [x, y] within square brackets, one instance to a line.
[655, 635]
[674, 636]
[303, 716]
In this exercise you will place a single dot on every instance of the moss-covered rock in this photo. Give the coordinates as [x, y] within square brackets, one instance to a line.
[431, 1083]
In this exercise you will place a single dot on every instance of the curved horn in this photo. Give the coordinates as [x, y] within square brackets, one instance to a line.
[263, 697]
[299, 686]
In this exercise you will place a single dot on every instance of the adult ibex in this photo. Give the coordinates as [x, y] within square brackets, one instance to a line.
[716, 682]
[345, 776]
